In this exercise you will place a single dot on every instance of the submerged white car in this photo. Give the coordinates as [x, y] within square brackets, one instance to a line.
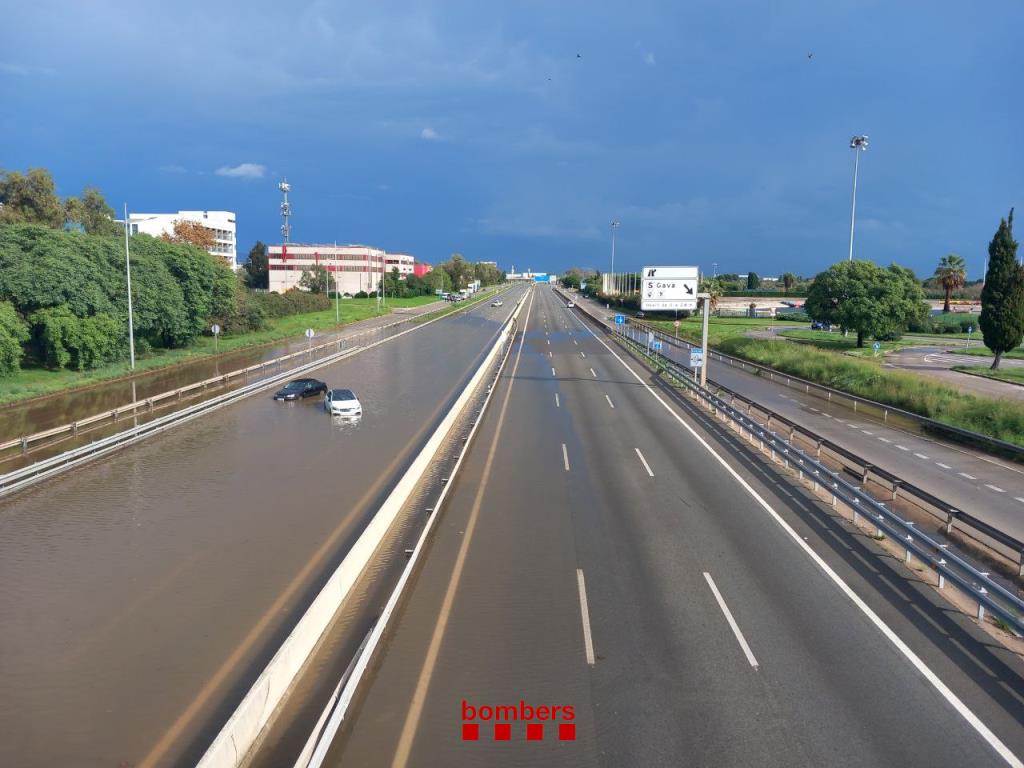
[342, 402]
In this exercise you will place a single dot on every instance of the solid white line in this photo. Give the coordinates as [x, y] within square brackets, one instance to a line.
[644, 462]
[565, 457]
[731, 620]
[920, 456]
[609, 401]
[969, 477]
[944, 466]
[557, 404]
[925, 671]
[592, 373]
[995, 488]
[588, 641]
[553, 372]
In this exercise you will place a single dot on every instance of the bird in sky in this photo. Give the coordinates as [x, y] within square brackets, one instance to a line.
[578, 56]
[810, 55]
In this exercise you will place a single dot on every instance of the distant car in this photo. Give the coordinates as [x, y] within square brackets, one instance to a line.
[497, 303]
[818, 325]
[640, 315]
[570, 305]
[299, 389]
[342, 402]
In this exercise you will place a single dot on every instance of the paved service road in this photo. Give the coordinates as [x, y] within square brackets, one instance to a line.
[712, 632]
[144, 592]
[937, 362]
[988, 488]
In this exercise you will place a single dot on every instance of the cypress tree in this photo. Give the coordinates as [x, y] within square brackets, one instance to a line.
[1002, 297]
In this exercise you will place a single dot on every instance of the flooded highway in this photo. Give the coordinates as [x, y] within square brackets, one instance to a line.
[42, 413]
[143, 593]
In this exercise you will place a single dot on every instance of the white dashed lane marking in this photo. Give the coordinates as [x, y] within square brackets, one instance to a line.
[944, 466]
[921, 456]
[969, 477]
[995, 488]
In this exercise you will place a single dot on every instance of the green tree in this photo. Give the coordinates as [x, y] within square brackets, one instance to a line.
[951, 273]
[257, 268]
[753, 281]
[712, 287]
[13, 333]
[30, 199]
[459, 270]
[438, 280]
[64, 340]
[1002, 298]
[863, 297]
[788, 280]
[571, 279]
[97, 216]
[314, 279]
[393, 283]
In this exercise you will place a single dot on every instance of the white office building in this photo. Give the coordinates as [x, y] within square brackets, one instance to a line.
[220, 223]
[352, 268]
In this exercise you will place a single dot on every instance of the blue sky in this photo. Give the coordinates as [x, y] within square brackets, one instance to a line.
[433, 127]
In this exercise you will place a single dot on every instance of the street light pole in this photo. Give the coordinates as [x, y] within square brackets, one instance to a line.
[611, 287]
[337, 308]
[858, 144]
[128, 272]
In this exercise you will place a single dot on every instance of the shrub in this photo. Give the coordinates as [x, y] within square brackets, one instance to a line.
[360, 295]
[63, 340]
[291, 302]
[13, 333]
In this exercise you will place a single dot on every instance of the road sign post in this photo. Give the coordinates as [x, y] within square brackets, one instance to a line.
[704, 338]
[970, 329]
[215, 330]
[310, 333]
[876, 346]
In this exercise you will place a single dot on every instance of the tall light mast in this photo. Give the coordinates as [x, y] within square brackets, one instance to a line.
[286, 209]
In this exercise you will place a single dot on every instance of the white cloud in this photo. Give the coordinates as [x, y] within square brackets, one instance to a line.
[243, 171]
[429, 134]
[172, 168]
[649, 58]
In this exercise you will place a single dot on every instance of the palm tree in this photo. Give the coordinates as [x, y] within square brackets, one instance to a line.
[713, 288]
[788, 280]
[952, 274]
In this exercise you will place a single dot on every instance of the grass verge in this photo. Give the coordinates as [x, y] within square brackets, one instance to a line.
[980, 351]
[719, 328]
[34, 382]
[1001, 419]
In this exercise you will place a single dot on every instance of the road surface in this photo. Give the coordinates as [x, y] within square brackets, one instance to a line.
[143, 593]
[713, 632]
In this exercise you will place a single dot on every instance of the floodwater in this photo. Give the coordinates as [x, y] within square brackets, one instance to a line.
[39, 414]
[143, 593]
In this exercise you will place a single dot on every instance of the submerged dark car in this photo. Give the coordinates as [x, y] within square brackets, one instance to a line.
[300, 388]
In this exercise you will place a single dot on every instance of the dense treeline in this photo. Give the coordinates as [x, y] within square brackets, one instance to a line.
[63, 299]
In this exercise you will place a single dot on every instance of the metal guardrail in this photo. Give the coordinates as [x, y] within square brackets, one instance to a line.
[977, 584]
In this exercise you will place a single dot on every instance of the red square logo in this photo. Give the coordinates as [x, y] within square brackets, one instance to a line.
[470, 731]
[534, 732]
[502, 731]
[567, 731]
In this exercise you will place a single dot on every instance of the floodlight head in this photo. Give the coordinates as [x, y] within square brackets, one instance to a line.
[859, 142]
[284, 186]
[616, 223]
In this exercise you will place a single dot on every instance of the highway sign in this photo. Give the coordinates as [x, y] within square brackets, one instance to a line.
[970, 329]
[214, 329]
[620, 319]
[696, 357]
[309, 333]
[876, 346]
[657, 346]
[669, 288]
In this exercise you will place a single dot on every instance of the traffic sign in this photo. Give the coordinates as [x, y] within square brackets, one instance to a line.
[214, 329]
[620, 319]
[696, 357]
[877, 346]
[669, 288]
[675, 323]
[309, 333]
[970, 329]
[657, 345]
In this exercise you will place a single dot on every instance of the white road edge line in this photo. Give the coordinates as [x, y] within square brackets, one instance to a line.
[610, 403]
[964, 711]
[732, 622]
[565, 457]
[588, 640]
[644, 462]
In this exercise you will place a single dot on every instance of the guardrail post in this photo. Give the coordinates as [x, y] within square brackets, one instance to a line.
[1020, 567]
[864, 473]
[24, 445]
[948, 528]
[942, 577]
[895, 488]
[74, 428]
[981, 605]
